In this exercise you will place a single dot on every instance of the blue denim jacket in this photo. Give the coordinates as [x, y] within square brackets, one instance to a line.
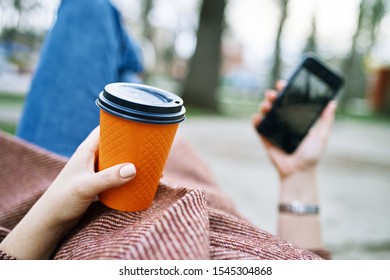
[86, 49]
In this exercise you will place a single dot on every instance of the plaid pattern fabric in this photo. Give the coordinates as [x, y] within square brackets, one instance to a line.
[190, 217]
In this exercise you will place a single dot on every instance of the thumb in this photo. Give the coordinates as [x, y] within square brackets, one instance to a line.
[111, 177]
[327, 118]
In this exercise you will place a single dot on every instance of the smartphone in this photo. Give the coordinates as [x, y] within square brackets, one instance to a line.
[308, 91]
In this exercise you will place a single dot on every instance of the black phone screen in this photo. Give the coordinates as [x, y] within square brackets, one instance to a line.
[299, 105]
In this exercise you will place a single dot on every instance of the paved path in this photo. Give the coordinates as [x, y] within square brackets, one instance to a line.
[15, 83]
[354, 180]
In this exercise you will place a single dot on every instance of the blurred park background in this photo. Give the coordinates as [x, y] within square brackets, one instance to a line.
[220, 55]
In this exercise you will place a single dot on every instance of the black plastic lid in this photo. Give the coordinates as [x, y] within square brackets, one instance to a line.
[141, 103]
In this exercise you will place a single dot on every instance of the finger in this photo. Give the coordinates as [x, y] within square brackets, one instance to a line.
[112, 177]
[271, 95]
[330, 109]
[280, 85]
[256, 120]
[265, 107]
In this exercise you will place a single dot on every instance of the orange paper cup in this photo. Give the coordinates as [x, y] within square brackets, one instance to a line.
[138, 124]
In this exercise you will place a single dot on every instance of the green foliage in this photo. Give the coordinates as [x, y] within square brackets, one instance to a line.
[10, 100]
[27, 38]
[8, 127]
[7, 98]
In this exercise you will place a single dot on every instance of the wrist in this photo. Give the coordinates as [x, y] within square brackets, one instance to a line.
[35, 236]
[30, 239]
[299, 186]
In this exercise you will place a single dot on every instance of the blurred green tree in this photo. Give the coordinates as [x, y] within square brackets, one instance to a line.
[20, 33]
[147, 30]
[370, 15]
[311, 43]
[378, 11]
[200, 87]
[21, 9]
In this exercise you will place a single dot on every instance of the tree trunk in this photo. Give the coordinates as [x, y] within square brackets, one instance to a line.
[311, 43]
[354, 77]
[201, 85]
[275, 71]
[147, 31]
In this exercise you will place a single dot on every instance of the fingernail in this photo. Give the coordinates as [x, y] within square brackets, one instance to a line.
[127, 171]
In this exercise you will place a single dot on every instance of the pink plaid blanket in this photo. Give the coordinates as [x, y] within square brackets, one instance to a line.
[190, 217]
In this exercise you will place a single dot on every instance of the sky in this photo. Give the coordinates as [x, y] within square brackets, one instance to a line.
[254, 23]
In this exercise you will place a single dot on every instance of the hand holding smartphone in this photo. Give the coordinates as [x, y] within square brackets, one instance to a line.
[308, 91]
